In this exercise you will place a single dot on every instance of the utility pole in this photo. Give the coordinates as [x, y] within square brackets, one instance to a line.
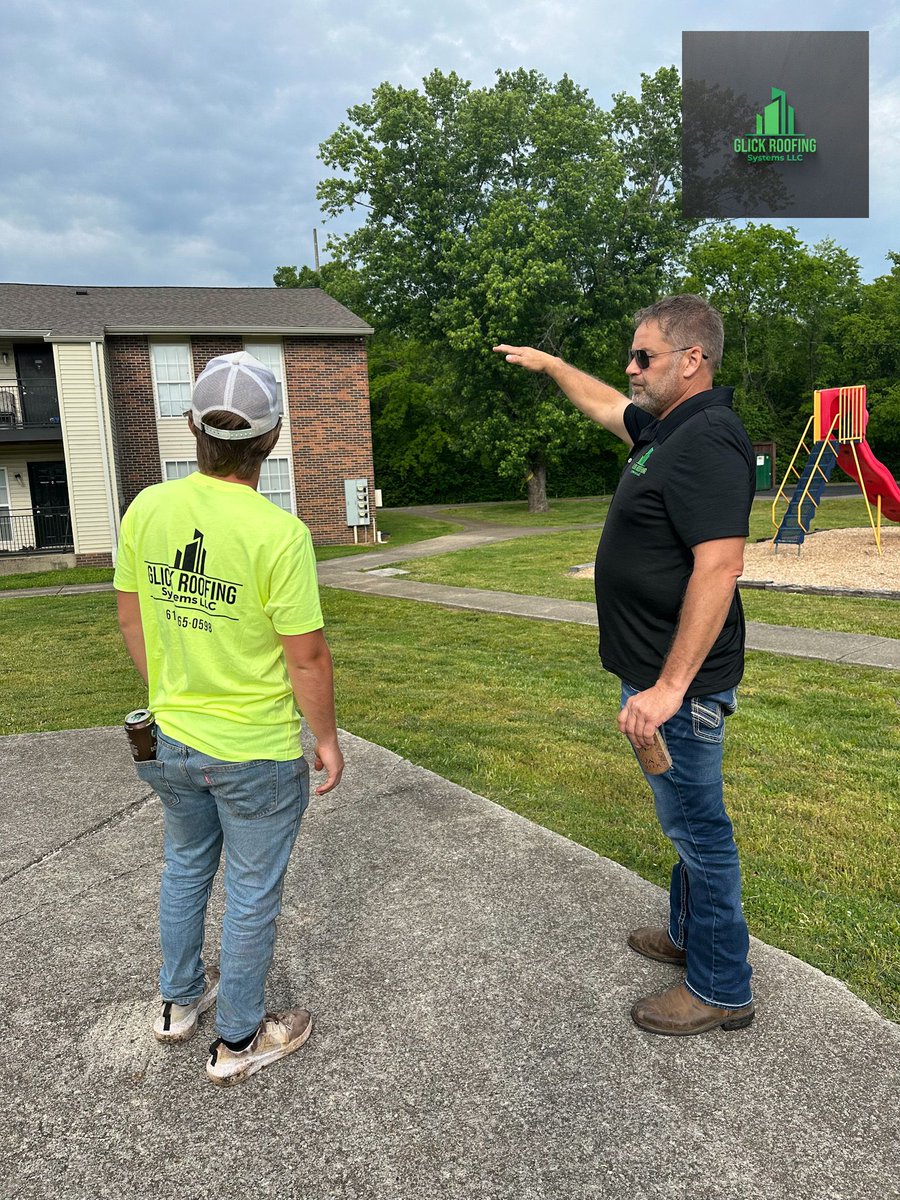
[316, 248]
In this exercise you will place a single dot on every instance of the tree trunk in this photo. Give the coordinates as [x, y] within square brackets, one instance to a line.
[537, 487]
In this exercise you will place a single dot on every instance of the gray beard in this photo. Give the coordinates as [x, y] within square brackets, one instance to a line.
[648, 404]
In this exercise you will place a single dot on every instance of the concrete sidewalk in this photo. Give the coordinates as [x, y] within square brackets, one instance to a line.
[471, 985]
[358, 573]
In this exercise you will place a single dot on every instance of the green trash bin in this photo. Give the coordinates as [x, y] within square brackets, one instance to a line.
[763, 472]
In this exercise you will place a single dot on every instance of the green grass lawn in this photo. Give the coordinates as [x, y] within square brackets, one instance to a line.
[538, 566]
[401, 528]
[590, 510]
[835, 513]
[521, 712]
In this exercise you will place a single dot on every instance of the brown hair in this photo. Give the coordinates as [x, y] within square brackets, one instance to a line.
[215, 456]
[687, 320]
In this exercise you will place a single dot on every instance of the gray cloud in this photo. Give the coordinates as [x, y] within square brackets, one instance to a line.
[177, 144]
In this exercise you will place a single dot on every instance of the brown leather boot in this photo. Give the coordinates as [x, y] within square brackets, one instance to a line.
[679, 1013]
[656, 944]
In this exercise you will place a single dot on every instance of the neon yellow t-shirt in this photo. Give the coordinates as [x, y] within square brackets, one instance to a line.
[220, 572]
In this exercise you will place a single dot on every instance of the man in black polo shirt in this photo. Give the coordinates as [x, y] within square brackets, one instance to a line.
[672, 630]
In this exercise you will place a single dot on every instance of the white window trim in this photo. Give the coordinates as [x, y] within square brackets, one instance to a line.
[170, 462]
[160, 416]
[284, 458]
[6, 509]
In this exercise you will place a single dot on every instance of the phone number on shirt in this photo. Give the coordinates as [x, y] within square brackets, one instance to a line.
[188, 622]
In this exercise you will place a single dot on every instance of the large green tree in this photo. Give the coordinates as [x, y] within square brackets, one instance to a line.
[520, 212]
[866, 342]
[780, 302]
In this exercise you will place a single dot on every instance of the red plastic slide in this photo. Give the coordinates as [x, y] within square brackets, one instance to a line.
[873, 477]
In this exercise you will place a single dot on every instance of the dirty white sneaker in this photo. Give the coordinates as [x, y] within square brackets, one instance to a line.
[278, 1035]
[178, 1022]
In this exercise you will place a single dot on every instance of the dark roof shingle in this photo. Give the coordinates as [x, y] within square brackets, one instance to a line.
[63, 311]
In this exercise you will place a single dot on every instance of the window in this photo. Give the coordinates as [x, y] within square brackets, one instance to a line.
[177, 468]
[5, 508]
[274, 478]
[275, 482]
[269, 354]
[172, 378]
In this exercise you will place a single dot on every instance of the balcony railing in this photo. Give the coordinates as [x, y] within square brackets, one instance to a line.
[34, 407]
[30, 531]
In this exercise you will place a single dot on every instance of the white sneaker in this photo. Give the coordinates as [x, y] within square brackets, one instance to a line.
[178, 1022]
[278, 1035]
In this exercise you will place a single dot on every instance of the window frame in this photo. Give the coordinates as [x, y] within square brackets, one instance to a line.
[289, 483]
[189, 380]
[172, 462]
[6, 526]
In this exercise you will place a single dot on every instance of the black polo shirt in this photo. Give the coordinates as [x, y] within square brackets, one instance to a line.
[689, 478]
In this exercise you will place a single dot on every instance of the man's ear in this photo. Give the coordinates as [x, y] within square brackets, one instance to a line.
[191, 426]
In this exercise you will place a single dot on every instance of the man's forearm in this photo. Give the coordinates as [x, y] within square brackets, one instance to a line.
[591, 396]
[134, 644]
[717, 567]
[707, 600]
[313, 686]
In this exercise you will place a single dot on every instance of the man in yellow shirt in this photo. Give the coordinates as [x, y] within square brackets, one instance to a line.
[219, 609]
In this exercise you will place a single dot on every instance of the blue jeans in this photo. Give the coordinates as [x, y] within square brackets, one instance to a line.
[253, 809]
[705, 915]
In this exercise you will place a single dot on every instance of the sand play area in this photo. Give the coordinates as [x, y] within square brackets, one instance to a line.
[834, 558]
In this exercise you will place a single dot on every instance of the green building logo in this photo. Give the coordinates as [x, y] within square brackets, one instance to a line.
[776, 139]
[777, 117]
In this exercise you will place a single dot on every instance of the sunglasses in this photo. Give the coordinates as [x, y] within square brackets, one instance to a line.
[642, 357]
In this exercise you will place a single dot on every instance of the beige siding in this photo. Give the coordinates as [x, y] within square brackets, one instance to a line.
[83, 437]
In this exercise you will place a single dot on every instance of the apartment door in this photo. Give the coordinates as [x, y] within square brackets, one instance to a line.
[37, 382]
[50, 505]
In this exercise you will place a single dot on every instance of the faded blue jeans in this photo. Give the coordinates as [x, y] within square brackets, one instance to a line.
[705, 915]
[253, 809]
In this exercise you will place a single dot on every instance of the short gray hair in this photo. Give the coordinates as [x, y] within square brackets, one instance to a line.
[687, 320]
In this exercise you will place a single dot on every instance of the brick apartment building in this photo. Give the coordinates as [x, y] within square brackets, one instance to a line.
[94, 382]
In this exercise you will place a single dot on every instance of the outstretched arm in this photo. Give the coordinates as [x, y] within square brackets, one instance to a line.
[593, 397]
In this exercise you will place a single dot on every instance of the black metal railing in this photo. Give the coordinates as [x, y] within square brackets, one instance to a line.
[30, 531]
[33, 407]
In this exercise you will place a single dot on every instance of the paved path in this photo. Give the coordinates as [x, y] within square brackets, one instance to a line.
[355, 573]
[471, 985]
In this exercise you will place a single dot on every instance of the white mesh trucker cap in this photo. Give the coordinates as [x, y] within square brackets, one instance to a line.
[241, 384]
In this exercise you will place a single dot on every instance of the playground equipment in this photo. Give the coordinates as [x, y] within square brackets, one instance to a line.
[838, 424]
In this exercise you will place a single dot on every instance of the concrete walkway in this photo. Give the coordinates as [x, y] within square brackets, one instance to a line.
[471, 985]
[356, 574]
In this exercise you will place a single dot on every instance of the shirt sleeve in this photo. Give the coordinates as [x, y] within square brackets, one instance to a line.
[293, 605]
[709, 491]
[636, 421]
[125, 577]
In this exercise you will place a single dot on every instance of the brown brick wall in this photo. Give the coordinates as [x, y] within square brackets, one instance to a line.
[205, 348]
[134, 413]
[93, 560]
[327, 387]
[327, 390]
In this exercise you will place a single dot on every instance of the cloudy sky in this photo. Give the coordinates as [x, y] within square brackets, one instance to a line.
[176, 142]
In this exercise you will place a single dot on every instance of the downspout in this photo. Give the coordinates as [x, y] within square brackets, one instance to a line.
[107, 480]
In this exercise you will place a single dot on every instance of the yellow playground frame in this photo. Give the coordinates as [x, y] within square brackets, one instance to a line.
[848, 426]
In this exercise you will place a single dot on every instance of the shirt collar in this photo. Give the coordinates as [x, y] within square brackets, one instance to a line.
[658, 431]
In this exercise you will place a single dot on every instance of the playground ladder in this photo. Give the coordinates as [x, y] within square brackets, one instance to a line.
[810, 484]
